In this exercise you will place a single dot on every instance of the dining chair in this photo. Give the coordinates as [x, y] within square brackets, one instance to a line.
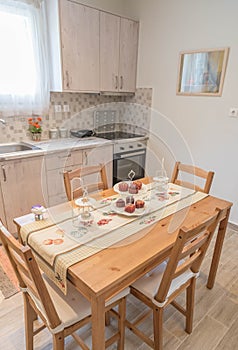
[182, 172]
[61, 314]
[84, 173]
[159, 287]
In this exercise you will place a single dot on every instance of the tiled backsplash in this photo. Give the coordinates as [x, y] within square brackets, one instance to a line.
[132, 113]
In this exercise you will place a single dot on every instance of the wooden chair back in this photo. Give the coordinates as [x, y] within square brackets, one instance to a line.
[188, 253]
[29, 276]
[83, 173]
[205, 176]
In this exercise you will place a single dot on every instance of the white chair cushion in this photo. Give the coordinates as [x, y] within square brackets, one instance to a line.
[72, 307]
[149, 283]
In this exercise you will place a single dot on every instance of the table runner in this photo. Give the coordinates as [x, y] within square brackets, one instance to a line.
[64, 250]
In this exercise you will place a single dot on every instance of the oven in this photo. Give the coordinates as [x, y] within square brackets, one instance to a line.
[128, 156]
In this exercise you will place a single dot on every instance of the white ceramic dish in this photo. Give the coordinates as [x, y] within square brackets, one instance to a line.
[137, 212]
[126, 193]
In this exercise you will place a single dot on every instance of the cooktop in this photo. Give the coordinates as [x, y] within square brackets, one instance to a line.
[117, 135]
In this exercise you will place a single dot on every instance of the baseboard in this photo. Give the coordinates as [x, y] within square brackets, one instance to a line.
[233, 226]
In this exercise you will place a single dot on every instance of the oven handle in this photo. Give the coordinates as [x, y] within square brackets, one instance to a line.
[126, 155]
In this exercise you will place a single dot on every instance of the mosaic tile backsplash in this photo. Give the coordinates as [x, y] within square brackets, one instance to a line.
[130, 113]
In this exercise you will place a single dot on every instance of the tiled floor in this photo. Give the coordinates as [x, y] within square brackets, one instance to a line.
[215, 319]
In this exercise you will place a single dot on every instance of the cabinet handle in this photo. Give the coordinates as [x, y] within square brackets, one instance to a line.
[67, 78]
[86, 158]
[116, 82]
[67, 156]
[4, 173]
[121, 79]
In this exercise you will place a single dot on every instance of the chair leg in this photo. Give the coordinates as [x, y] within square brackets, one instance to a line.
[158, 328]
[121, 323]
[30, 316]
[190, 291]
[58, 341]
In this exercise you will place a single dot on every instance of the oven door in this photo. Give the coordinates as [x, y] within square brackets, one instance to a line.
[124, 162]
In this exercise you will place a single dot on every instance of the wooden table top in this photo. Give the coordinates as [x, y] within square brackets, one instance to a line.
[125, 262]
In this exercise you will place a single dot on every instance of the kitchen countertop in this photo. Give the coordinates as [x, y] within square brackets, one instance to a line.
[59, 145]
[53, 146]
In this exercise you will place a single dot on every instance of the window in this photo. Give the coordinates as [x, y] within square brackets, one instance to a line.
[23, 60]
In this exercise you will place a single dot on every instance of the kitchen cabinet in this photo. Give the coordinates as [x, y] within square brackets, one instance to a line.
[21, 187]
[100, 155]
[90, 50]
[73, 46]
[56, 164]
[118, 53]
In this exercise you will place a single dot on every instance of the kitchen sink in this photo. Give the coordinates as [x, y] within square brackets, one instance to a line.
[16, 147]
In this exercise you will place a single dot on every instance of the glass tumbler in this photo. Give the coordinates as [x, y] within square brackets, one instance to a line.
[161, 182]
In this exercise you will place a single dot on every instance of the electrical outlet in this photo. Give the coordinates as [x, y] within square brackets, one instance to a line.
[66, 108]
[58, 108]
[233, 112]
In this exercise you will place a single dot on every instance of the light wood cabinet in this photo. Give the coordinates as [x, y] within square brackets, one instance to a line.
[80, 46]
[21, 186]
[90, 50]
[39, 180]
[56, 164]
[73, 35]
[118, 53]
[100, 155]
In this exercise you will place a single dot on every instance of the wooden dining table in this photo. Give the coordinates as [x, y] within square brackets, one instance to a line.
[109, 271]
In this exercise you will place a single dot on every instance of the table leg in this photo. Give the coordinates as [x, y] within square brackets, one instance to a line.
[217, 250]
[98, 323]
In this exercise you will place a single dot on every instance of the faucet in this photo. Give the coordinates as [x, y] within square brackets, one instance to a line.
[3, 121]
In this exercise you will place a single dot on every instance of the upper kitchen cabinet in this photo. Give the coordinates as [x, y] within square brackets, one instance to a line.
[90, 50]
[74, 46]
[118, 53]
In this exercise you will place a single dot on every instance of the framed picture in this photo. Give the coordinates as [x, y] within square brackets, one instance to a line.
[202, 72]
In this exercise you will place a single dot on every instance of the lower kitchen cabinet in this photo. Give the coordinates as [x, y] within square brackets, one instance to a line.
[56, 164]
[39, 180]
[21, 188]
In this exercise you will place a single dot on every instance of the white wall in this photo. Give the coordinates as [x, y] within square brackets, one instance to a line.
[166, 28]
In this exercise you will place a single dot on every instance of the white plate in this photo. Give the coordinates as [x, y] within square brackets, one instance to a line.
[126, 193]
[137, 212]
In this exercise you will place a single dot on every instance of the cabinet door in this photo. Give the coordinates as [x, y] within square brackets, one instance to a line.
[79, 46]
[109, 51]
[21, 185]
[128, 55]
[100, 155]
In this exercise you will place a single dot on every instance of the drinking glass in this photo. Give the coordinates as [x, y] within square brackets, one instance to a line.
[161, 182]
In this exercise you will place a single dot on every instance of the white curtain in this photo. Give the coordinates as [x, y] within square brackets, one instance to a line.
[24, 77]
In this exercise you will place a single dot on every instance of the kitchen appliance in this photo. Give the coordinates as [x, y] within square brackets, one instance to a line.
[129, 154]
[81, 133]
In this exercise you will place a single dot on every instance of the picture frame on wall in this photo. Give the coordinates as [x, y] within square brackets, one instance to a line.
[202, 72]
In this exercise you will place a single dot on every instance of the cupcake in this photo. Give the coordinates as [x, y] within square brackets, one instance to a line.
[138, 184]
[139, 204]
[133, 189]
[130, 208]
[120, 203]
[123, 186]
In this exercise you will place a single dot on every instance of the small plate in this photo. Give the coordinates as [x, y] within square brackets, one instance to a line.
[137, 212]
[126, 193]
